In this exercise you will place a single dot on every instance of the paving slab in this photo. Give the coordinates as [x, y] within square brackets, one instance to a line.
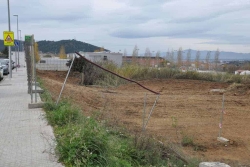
[26, 139]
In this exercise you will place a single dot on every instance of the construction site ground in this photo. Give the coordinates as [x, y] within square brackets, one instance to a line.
[185, 109]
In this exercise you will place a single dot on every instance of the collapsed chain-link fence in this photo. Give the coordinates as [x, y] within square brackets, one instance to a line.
[187, 113]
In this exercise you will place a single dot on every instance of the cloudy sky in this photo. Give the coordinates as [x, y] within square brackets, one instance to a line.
[119, 24]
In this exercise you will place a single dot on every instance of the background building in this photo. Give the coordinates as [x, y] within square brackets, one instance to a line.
[116, 58]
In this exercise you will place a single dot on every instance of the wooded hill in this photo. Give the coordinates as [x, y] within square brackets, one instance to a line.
[70, 46]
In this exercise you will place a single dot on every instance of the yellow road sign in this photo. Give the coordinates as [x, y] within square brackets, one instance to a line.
[8, 38]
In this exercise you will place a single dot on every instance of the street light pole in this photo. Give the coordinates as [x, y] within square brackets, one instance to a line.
[9, 48]
[18, 42]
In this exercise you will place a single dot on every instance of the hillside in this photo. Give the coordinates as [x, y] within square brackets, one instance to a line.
[70, 46]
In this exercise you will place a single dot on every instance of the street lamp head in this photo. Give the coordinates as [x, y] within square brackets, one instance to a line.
[15, 15]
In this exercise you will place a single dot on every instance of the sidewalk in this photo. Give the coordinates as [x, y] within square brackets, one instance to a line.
[25, 138]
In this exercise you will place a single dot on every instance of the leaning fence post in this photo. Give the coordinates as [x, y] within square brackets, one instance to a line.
[144, 111]
[221, 116]
[152, 109]
[65, 80]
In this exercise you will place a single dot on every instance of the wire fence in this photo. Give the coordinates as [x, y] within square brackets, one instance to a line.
[52, 64]
[187, 111]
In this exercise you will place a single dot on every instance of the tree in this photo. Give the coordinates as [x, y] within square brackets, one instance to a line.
[89, 73]
[197, 59]
[36, 50]
[62, 54]
[179, 57]
[5, 52]
[101, 49]
[167, 55]
[147, 56]
[172, 57]
[157, 56]
[216, 59]
[207, 60]
[188, 58]
[134, 54]
[125, 56]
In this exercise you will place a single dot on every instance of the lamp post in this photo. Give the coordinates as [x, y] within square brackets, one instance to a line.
[9, 48]
[18, 42]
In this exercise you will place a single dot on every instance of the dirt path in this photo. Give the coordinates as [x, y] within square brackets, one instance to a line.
[185, 108]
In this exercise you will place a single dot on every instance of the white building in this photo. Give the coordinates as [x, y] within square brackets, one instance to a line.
[116, 58]
[242, 72]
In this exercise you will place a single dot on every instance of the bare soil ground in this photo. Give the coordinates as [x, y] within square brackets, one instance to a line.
[185, 108]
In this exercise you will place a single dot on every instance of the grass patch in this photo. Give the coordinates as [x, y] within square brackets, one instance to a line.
[187, 141]
[84, 141]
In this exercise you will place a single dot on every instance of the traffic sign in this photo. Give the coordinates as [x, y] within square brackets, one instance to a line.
[8, 38]
[28, 39]
[16, 43]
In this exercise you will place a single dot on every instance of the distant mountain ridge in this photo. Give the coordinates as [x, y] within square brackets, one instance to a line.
[70, 46]
[226, 56]
[74, 45]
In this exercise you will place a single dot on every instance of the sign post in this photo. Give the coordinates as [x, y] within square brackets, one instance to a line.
[28, 39]
[8, 40]
[16, 45]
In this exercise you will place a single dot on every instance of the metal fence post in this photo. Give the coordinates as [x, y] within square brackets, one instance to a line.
[34, 66]
[144, 111]
[221, 116]
[29, 69]
[65, 80]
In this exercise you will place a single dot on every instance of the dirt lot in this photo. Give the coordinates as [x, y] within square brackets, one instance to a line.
[185, 108]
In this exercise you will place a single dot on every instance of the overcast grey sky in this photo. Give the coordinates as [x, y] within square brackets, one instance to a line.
[119, 24]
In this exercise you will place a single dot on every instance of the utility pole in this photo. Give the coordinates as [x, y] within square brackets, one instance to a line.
[18, 42]
[9, 48]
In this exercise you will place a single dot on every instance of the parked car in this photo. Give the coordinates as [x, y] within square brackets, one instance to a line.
[12, 63]
[1, 72]
[5, 66]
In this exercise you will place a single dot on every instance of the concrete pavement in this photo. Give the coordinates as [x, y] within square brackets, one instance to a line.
[26, 140]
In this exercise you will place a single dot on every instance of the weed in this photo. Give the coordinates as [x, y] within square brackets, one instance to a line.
[187, 141]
